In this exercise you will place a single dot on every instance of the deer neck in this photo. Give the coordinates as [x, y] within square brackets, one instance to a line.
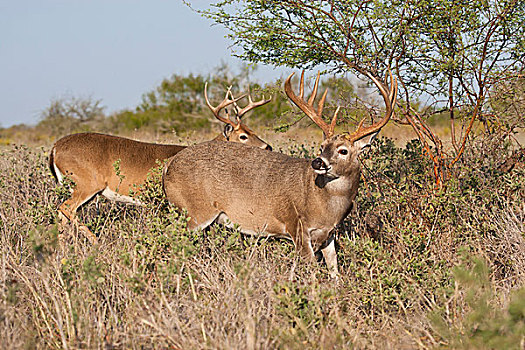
[341, 186]
[334, 195]
[337, 194]
[344, 185]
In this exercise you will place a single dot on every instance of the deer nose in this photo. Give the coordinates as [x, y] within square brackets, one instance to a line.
[318, 164]
[268, 148]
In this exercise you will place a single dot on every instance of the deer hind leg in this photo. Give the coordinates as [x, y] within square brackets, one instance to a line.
[67, 211]
[201, 217]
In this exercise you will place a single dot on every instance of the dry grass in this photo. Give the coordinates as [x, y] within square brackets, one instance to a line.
[149, 283]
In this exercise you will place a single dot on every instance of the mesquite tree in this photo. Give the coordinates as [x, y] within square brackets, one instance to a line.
[449, 53]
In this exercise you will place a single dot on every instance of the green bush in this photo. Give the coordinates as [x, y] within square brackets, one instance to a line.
[484, 323]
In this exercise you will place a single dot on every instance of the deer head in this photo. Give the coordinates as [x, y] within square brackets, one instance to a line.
[234, 129]
[340, 151]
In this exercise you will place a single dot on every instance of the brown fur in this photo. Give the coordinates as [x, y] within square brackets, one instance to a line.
[89, 158]
[265, 192]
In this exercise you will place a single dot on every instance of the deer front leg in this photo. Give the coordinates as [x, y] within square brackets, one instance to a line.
[303, 242]
[330, 257]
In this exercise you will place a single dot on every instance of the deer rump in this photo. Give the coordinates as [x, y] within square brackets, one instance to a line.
[265, 193]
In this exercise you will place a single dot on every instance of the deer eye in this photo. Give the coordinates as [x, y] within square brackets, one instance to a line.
[343, 151]
[243, 137]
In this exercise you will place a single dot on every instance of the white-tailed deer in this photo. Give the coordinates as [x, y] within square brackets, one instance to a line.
[89, 160]
[272, 194]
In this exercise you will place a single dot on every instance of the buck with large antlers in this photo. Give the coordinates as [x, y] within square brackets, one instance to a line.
[273, 194]
[89, 159]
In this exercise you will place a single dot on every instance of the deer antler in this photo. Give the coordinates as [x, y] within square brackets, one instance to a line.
[226, 102]
[390, 98]
[251, 105]
[308, 107]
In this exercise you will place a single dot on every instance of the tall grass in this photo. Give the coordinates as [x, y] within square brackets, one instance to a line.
[419, 268]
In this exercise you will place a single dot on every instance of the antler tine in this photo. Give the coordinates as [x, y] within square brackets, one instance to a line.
[226, 102]
[301, 85]
[390, 97]
[334, 119]
[251, 105]
[235, 107]
[314, 91]
[308, 107]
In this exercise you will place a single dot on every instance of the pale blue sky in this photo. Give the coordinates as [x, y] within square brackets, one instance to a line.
[109, 50]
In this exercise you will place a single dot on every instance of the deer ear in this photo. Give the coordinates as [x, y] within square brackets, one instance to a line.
[228, 129]
[365, 143]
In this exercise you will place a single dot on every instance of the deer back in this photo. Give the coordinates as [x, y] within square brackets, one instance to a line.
[95, 158]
